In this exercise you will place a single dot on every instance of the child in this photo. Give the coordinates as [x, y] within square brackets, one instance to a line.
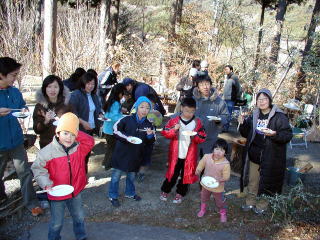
[128, 154]
[183, 150]
[63, 162]
[113, 113]
[155, 118]
[217, 166]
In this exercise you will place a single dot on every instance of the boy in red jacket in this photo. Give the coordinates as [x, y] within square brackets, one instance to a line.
[63, 162]
[185, 132]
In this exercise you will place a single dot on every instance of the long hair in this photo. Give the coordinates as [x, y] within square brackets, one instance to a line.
[114, 96]
[88, 77]
[47, 81]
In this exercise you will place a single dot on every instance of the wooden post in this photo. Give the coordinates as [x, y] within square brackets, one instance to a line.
[49, 43]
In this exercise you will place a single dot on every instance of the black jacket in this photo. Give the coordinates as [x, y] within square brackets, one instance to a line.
[127, 156]
[273, 158]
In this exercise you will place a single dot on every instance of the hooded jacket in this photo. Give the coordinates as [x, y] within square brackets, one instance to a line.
[212, 106]
[190, 165]
[47, 131]
[273, 157]
[10, 129]
[55, 166]
[127, 156]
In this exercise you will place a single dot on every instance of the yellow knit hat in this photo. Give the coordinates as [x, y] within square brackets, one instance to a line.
[68, 122]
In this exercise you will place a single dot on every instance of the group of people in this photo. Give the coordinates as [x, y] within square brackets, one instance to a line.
[130, 114]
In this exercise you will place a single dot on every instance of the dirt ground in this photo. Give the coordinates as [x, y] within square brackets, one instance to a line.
[154, 212]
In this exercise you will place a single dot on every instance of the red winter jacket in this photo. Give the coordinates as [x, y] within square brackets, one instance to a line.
[192, 155]
[54, 166]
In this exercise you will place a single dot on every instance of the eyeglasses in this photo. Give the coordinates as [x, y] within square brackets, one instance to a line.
[262, 99]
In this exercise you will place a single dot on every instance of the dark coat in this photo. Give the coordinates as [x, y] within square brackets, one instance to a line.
[80, 106]
[127, 156]
[273, 158]
[143, 89]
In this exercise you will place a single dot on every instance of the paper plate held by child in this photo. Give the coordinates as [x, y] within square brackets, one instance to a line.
[134, 140]
[20, 114]
[209, 182]
[189, 133]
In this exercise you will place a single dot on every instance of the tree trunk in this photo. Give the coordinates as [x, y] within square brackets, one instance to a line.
[37, 24]
[113, 21]
[315, 20]
[257, 57]
[49, 43]
[104, 17]
[179, 13]
[275, 46]
[173, 19]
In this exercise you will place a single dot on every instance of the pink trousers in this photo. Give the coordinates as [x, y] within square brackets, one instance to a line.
[218, 198]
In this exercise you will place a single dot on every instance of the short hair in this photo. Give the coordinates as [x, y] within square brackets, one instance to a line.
[77, 74]
[8, 65]
[229, 66]
[115, 65]
[196, 63]
[203, 78]
[189, 102]
[220, 143]
[47, 81]
[88, 77]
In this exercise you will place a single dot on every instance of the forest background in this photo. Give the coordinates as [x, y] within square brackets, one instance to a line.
[270, 43]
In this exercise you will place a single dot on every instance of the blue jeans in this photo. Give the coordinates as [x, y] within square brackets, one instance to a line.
[114, 185]
[74, 206]
[230, 106]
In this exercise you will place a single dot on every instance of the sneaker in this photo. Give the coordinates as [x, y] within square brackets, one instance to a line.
[114, 202]
[135, 197]
[177, 199]
[247, 208]
[36, 211]
[164, 196]
[259, 211]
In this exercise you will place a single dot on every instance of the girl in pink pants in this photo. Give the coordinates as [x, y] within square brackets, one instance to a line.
[217, 166]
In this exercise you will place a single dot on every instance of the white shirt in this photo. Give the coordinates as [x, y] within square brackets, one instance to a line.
[184, 141]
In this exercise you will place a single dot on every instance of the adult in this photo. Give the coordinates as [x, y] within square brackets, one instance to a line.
[107, 79]
[186, 86]
[138, 89]
[11, 142]
[86, 105]
[52, 100]
[231, 92]
[209, 104]
[204, 67]
[73, 81]
[267, 131]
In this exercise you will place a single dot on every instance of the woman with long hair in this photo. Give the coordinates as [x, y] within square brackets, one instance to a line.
[52, 101]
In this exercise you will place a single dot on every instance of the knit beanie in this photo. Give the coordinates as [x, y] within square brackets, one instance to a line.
[266, 92]
[126, 81]
[68, 122]
[141, 100]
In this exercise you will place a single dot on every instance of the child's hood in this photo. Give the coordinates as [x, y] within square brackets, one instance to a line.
[141, 100]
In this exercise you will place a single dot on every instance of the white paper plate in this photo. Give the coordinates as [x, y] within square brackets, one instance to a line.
[61, 190]
[263, 129]
[105, 120]
[291, 106]
[189, 133]
[55, 123]
[134, 140]
[21, 114]
[209, 182]
[214, 118]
